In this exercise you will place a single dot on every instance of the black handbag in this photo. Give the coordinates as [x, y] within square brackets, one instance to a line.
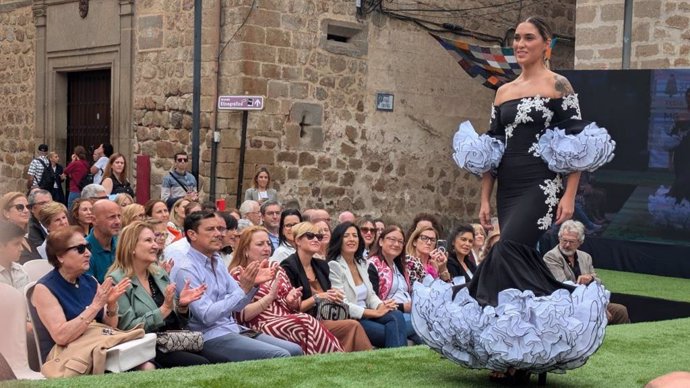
[180, 340]
[331, 311]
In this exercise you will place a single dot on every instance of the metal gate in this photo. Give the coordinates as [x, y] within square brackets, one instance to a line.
[88, 110]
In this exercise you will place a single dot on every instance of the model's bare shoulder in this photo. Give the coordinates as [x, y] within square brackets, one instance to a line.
[562, 85]
[503, 94]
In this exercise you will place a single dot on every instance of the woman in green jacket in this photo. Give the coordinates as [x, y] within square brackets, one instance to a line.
[151, 300]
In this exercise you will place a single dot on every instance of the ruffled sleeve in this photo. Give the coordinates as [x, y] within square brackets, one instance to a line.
[479, 153]
[576, 145]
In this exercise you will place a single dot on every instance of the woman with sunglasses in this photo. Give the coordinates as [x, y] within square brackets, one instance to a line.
[381, 320]
[286, 247]
[369, 232]
[15, 209]
[151, 299]
[424, 257]
[275, 309]
[389, 276]
[312, 276]
[67, 299]
[82, 214]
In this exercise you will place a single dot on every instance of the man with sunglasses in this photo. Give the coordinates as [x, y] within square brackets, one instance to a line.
[103, 237]
[178, 182]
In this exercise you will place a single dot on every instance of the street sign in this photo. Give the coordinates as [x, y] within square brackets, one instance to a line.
[240, 102]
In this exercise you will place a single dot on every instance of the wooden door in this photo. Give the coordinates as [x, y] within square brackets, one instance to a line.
[88, 110]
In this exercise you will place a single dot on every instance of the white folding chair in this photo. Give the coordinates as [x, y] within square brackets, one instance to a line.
[120, 358]
[37, 268]
[13, 329]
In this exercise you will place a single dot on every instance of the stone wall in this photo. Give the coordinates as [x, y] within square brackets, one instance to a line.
[660, 36]
[17, 82]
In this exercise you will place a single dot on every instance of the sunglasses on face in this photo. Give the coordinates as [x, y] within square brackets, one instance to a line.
[367, 230]
[182, 160]
[81, 248]
[311, 236]
[20, 207]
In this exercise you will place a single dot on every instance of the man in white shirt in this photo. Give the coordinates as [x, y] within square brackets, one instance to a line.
[101, 155]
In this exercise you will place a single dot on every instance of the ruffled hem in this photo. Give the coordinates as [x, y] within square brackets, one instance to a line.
[667, 212]
[552, 333]
[474, 153]
[585, 151]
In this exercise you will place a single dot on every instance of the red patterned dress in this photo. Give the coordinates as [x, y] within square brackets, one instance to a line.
[286, 322]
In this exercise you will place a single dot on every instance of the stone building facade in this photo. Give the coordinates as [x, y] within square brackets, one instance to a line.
[660, 35]
[320, 65]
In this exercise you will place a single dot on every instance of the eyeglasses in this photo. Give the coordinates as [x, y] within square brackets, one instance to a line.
[182, 160]
[20, 207]
[311, 236]
[394, 240]
[568, 242]
[427, 239]
[364, 229]
[81, 248]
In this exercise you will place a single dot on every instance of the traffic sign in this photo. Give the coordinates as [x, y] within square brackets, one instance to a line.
[240, 102]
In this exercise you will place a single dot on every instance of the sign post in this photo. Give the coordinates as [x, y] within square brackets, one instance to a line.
[245, 104]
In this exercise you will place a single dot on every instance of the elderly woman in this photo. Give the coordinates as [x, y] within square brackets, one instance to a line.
[82, 214]
[389, 276]
[133, 212]
[275, 309]
[368, 230]
[123, 199]
[67, 299]
[151, 300]
[312, 276]
[262, 191]
[53, 216]
[424, 258]
[115, 176]
[15, 209]
[461, 264]
[286, 247]
[383, 323]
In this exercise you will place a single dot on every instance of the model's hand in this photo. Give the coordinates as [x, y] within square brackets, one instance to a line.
[485, 215]
[566, 208]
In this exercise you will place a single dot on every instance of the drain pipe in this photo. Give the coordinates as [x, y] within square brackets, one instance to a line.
[214, 112]
[627, 33]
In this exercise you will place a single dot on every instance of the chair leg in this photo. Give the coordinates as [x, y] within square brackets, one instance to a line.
[542, 379]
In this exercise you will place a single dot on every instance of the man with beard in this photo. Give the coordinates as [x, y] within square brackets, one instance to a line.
[567, 263]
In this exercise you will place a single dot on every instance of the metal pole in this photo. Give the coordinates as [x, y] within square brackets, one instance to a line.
[196, 92]
[243, 147]
[214, 161]
[627, 33]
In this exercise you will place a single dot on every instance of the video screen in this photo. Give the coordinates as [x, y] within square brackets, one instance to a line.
[644, 193]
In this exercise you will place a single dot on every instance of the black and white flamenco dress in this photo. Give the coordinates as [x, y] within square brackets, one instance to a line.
[514, 313]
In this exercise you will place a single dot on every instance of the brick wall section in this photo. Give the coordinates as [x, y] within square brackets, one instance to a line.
[17, 83]
[660, 34]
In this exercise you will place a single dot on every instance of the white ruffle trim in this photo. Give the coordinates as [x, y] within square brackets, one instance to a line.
[667, 211]
[474, 153]
[586, 151]
[551, 333]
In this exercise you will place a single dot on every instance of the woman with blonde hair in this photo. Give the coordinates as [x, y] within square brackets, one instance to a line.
[310, 274]
[53, 216]
[424, 257]
[151, 300]
[82, 214]
[131, 213]
[276, 307]
[123, 199]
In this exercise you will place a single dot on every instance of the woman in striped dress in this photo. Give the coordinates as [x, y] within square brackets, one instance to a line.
[275, 309]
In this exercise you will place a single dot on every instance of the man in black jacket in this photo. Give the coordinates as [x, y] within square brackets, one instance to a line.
[37, 233]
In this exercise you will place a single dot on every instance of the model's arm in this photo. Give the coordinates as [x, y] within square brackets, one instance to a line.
[485, 202]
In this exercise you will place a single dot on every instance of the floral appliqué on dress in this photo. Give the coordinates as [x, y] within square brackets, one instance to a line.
[524, 107]
[551, 189]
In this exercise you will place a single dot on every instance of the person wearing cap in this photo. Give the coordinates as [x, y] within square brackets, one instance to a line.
[38, 164]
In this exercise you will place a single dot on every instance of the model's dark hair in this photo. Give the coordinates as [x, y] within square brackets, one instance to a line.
[458, 230]
[336, 243]
[542, 27]
[285, 213]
